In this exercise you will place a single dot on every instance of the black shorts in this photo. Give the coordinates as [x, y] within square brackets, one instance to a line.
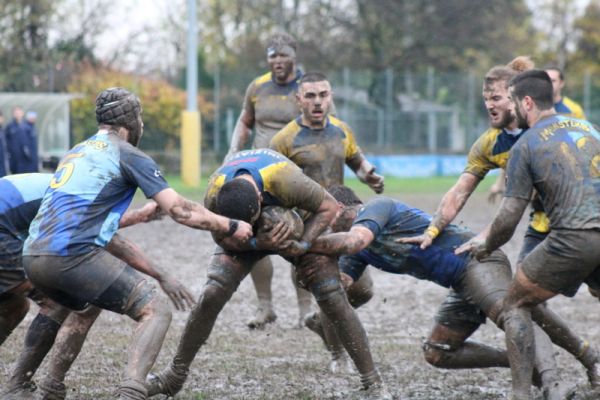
[11, 266]
[96, 278]
[482, 285]
[564, 260]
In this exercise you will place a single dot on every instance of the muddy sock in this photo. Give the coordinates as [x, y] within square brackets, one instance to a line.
[38, 341]
[51, 389]
[588, 356]
[132, 389]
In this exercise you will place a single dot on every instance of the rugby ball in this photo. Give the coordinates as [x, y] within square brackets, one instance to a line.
[270, 215]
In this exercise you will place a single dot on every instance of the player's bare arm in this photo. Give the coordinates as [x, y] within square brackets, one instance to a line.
[241, 132]
[365, 172]
[130, 253]
[148, 212]
[451, 204]
[340, 243]
[196, 216]
[503, 226]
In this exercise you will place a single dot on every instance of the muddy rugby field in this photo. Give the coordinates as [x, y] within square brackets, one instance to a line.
[283, 362]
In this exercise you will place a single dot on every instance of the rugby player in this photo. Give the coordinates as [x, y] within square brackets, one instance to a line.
[65, 254]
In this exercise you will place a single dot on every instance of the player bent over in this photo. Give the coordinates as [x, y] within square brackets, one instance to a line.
[376, 232]
[248, 181]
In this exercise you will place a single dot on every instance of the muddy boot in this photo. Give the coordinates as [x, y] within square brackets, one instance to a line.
[559, 391]
[264, 315]
[168, 382]
[51, 389]
[341, 364]
[590, 359]
[313, 322]
[131, 389]
[22, 391]
[377, 391]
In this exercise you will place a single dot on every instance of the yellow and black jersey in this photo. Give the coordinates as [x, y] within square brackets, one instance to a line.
[278, 179]
[320, 153]
[272, 105]
[569, 108]
[490, 151]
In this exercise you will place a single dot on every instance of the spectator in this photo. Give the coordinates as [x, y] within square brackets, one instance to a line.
[19, 139]
[3, 153]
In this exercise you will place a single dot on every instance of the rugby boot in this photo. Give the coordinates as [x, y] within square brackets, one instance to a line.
[21, 391]
[132, 389]
[264, 315]
[168, 382]
[377, 391]
[51, 389]
[559, 391]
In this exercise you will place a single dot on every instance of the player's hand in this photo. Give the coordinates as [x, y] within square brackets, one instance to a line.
[293, 248]
[272, 238]
[496, 192]
[179, 295]
[423, 241]
[243, 231]
[374, 181]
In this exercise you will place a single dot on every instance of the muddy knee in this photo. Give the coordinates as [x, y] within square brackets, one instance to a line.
[221, 283]
[437, 354]
[359, 294]
[144, 301]
[326, 289]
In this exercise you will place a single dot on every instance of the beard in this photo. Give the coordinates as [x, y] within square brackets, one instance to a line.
[506, 120]
[521, 120]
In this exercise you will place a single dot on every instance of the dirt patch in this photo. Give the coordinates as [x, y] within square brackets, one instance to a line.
[282, 362]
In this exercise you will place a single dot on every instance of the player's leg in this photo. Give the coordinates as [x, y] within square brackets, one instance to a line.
[325, 285]
[262, 277]
[304, 297]
[67, 347]
[225, 273]
[13, 308]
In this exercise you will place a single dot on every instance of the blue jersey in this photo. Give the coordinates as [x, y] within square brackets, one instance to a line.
[91, 189]
[560, 157]
[389, 220]
[20, 198]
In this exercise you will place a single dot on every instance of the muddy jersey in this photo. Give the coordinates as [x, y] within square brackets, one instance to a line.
[91, 189]
[279, 180]
[560, 157]
[272, 105]
[20, 199]
[320, 153]
[389, 220]
[490, 151]
[569, 108]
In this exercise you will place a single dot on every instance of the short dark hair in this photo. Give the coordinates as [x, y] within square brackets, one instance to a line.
[313, 76]
[238, 199]
[554, 67]
[536, 84]
[344, 195]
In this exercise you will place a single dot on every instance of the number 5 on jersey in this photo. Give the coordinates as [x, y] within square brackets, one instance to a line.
[64, 171]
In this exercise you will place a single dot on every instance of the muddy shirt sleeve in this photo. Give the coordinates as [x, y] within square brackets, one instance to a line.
[375, 214]
[352, 265]
[519, 180]
[141, 171]
[478, 160]
[280, 143]
[294, 189]
[351, 148]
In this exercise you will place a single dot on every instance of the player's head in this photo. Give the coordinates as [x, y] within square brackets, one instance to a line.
[558, 81]
[348, 203]
[314, 97]
[239, 199]
[281, 56]
[530, 91]
[117, 107]
[495, 90]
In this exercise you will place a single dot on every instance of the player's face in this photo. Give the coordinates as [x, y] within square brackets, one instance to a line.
[557, 83]
[518, 111]
[498, 105]
[282, 65]
[315, 101]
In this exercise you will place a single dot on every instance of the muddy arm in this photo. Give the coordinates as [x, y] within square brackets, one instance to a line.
[241, 133]
[340, 243]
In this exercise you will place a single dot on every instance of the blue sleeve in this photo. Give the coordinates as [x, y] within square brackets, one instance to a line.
[352, 265]
[375, 214]
[142, 171]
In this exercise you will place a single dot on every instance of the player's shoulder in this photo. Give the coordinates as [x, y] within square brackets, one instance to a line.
[262, 79]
